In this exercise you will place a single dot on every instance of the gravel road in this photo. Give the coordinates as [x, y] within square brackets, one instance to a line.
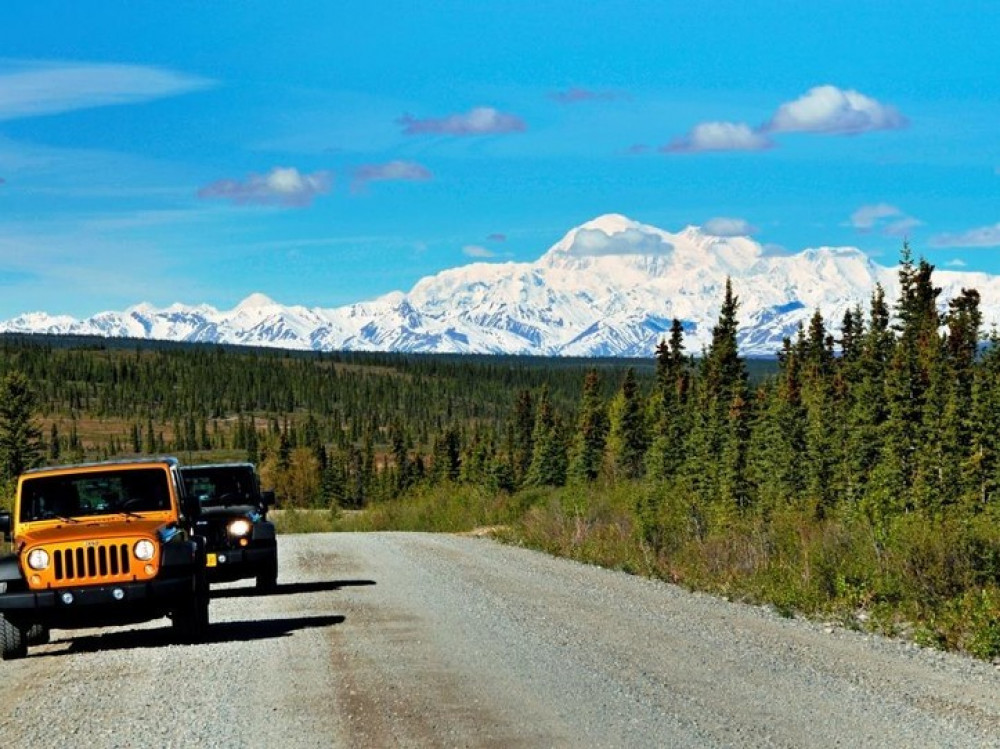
[398, 639]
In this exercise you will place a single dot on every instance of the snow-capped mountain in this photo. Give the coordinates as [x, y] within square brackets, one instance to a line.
[610, 287]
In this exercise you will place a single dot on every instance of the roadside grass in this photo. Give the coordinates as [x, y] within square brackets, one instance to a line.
[298, 520]
[933, 581]
[444, 508]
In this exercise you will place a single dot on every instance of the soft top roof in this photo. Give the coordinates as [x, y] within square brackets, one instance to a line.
[214, 466]
[168, 460]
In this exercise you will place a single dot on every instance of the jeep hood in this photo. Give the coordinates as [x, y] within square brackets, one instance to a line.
[60, 531]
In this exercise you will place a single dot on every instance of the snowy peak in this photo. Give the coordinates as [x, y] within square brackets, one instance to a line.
[256, 302]
[608, 287]
[610, 234]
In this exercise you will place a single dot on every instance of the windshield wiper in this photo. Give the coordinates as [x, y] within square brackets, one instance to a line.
[54, 516]
[126, 513]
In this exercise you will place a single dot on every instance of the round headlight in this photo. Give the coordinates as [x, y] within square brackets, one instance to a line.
[38, 559]
[240, 527]
[144, 550]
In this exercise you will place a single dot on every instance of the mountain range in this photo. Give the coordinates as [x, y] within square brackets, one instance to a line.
[610, 287]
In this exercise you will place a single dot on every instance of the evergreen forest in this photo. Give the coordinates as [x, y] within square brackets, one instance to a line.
[856, 479]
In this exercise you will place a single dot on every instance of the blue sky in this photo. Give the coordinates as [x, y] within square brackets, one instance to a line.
[328, 152]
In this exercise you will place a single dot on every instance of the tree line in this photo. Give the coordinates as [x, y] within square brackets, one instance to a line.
[858, 472]
[896, 411]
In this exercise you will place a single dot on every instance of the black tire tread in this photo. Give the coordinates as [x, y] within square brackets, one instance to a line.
[267, 576]
[13, 640]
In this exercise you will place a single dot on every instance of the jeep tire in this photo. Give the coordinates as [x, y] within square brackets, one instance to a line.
[13, 640]
[190, 620]
[267, 575]
[38, 634]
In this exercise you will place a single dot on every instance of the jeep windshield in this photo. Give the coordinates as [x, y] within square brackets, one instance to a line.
[84, 494]
[221, 486]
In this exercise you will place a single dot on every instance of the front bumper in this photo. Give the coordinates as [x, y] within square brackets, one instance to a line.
[234, 564]
[98, 605]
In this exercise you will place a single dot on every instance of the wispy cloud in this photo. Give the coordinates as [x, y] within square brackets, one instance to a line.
[35, 89]
[594, 242]
[723, 226]
[637, 149]
[865, 217]
[478, 121]
[282, 186]
[143, 219]
[496, 237]
[407, 171]
[885, 218]
[577, 95]
[984, 236]
[719, 136]
[901, 227]
[59, 265]
[831, 110]
[956, 263]
[475, 250]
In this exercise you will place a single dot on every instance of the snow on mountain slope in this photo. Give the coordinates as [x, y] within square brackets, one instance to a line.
[609, 287]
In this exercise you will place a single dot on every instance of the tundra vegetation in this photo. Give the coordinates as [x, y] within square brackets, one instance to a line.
[857, 479]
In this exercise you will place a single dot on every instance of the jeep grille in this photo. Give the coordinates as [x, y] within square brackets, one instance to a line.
[91, 562]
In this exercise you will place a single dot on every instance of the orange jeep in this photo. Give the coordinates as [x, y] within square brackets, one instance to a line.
[97, 545]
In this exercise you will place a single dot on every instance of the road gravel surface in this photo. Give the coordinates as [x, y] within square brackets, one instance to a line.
[426, 640]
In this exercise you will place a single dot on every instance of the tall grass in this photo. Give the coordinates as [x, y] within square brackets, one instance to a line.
[446, 508]
[934, 581]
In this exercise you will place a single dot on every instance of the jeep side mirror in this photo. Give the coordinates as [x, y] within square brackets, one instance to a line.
[267, 498]
[5, 525]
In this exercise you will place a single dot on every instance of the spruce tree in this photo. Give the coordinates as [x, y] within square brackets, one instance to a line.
[446, 457]
[548, 458]
[54, 446]
[720, 431]
[524, 426]
[627, 439]
[587, 449]
[20, 438]
[671, 418]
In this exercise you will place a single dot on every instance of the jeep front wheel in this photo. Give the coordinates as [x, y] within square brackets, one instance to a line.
[13, 640]
[190, 620]
[267, 575]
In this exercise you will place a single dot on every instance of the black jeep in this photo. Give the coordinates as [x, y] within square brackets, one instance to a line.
[239, 539]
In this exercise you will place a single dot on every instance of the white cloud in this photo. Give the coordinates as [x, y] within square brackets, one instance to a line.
[594, 242]
[477, 121]
[828, 109]
[719, 136]
[865, 217]
[722, 226]
[902, 227]
[37, 89]
[475, 250]
[394, 171]
[285, 186]
[885, 218]
[983, 236]
[956, 263]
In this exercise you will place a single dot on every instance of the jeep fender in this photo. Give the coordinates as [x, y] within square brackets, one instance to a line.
[263, 531]
[182, 554]
[9, 569]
